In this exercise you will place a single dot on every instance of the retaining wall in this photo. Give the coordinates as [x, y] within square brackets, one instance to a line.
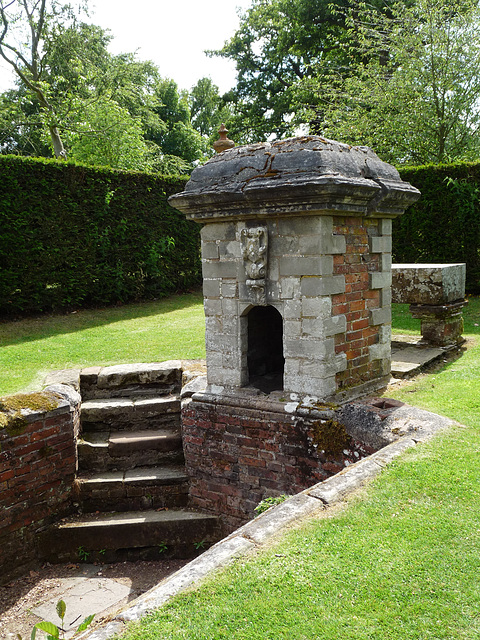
[238, 452]
[37, 469]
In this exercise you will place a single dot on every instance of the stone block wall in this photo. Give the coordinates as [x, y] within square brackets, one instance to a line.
[240, 450]
[436, 294]
[37, 469]
[328, 277]
[302, 228]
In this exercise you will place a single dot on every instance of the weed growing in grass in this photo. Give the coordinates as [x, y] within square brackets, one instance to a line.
[267, 503]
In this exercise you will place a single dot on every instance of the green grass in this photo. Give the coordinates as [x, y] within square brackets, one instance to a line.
[401, 562]
[454, 390]
[166, 329]
[402, 321]
[149, 332]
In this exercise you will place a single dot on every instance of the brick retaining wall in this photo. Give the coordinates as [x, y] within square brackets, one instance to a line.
[37, 469]
[238, 453]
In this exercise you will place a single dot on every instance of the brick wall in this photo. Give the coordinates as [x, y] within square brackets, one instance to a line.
[37, 469]
[237, 453]
[365, 303]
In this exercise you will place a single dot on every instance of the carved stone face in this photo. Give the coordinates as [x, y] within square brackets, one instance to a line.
[254, 250]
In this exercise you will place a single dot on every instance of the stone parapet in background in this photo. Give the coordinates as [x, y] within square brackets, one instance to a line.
[436, 294]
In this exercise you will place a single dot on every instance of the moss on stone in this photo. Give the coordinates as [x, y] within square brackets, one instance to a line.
[330, 436]
[39, 401]
[13, 422]
[11, 416]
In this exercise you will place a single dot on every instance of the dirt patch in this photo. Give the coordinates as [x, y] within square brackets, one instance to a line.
[19, 597]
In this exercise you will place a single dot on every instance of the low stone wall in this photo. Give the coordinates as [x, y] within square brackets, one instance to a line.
[239, 451]
[37, 469]
[432, 284]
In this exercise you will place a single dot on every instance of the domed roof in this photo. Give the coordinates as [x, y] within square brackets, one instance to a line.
[296, 174]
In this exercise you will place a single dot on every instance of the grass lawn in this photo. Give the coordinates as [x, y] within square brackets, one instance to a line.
[453, 391]
[400, 561]
[166, 329]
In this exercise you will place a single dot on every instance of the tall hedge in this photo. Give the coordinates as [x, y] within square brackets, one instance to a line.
[75, 236]
[72, 235]
[444, 225]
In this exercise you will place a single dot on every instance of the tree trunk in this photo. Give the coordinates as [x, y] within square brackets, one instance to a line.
[57, 143]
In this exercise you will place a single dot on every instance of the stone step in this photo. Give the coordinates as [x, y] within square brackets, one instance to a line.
[135, 489]
[108, 451]
[158, 378]
[106, 414]
[110, 537]
[410, 355]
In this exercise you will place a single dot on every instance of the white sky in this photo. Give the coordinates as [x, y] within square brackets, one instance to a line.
[172, 33]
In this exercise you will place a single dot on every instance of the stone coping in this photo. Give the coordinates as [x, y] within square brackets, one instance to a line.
[418, 425]
[428, 284]
[275, 402]
[62, 396]
[305, 173]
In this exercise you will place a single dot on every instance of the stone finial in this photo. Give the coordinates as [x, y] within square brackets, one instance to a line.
[223, 143]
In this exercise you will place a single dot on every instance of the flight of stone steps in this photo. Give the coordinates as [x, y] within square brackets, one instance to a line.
[131, 487]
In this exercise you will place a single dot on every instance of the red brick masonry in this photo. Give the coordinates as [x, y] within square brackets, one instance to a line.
[236, 455]
[356, 264]
[37, 469]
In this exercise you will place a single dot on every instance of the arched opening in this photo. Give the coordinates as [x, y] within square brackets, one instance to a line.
[265, 359]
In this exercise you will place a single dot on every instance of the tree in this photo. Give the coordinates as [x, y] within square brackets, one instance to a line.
[110, 137]
[100, 104]
[413, 90]
[179, 137]
[24, 25]
[278, 44]
[208, 109]
[76, 71]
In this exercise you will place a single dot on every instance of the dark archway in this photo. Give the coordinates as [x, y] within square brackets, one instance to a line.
[265, 349]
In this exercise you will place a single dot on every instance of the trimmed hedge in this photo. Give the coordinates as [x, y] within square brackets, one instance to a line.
[75, 236]
[444, 225]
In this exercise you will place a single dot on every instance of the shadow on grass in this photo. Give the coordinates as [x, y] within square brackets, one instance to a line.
[31, 329]
[402, 320]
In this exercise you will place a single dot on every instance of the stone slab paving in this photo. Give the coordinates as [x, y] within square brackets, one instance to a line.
[139, 373]
[416, 425]
[409, 356]
[91, 594]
